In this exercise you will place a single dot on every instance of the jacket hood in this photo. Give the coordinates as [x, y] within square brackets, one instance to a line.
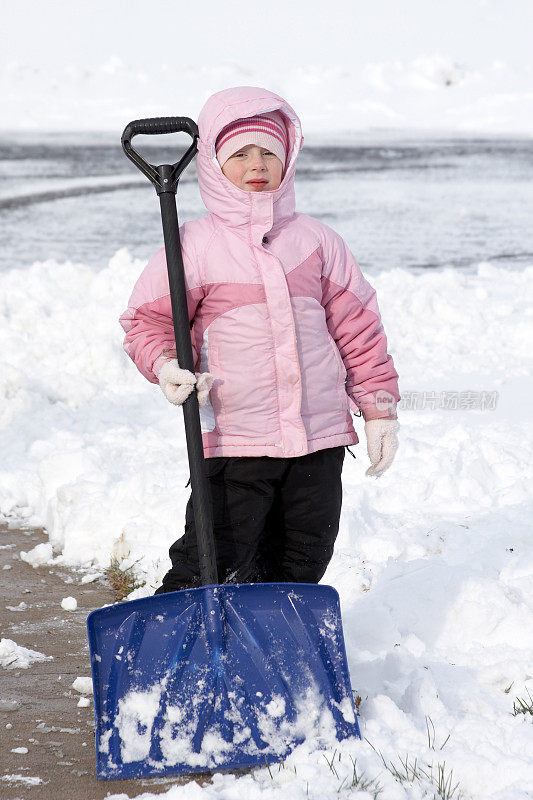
[234, 207]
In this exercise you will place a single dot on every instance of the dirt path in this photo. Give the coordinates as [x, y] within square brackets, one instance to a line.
[38, 707]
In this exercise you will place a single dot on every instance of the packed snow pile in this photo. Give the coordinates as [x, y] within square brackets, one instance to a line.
[13, 656]
[433, 561]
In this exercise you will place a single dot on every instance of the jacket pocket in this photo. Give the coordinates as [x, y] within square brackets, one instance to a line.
[342, 374]
[338, 359]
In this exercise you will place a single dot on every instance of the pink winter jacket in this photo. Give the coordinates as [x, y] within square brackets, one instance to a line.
[280, 312]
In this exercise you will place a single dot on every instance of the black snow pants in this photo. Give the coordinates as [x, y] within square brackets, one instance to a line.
[274, 519]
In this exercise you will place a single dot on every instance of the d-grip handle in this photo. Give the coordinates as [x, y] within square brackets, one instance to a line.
[166, 176]
[157, 125]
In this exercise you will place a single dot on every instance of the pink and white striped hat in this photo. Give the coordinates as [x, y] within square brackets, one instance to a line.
[265, 130]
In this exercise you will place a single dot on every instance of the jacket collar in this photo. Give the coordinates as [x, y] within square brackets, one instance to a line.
[249, 213]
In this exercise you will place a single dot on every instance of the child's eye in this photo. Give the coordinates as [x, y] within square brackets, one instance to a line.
[265, 153]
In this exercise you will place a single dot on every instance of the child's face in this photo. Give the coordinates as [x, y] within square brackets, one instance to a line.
[254, 169]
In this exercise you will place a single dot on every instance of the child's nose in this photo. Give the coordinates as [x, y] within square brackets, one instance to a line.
[258, 160]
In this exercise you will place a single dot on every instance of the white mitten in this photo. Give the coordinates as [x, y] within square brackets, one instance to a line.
[177, 383]
[381, 444]
[204, 382]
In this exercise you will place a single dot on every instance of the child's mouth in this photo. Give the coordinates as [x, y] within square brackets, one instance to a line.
[257, 184]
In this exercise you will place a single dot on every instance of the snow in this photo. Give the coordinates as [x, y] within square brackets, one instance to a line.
[9, 705]
[39, 555]
[432, 91]
[22, 606]
[276, 707]
[139, 710]
[83, 685]
[69, 604]
[433, 562]
[135, 718]
[91, 577]
[24, 780]
[465, 65]
[14, 656]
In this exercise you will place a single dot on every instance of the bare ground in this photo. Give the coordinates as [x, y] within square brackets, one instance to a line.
[38, 707]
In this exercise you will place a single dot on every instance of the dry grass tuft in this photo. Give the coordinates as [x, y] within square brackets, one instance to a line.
[122, 581]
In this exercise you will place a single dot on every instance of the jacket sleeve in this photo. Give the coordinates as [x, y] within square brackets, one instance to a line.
[147, 321]
[354, 322]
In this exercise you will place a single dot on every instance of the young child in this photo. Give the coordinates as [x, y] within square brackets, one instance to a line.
[287, 339]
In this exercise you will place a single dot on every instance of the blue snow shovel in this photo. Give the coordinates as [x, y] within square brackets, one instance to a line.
[221, 676]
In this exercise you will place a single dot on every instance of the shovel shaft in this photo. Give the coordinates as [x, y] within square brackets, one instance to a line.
[200, 491]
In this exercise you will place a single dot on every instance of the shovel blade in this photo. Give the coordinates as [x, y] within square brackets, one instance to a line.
[219, 677]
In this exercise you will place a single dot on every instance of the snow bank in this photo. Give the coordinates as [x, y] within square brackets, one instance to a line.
[429, 91]
[433, 560]
[94, 452]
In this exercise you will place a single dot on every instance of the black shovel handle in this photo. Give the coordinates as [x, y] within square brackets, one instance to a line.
[165, 178]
